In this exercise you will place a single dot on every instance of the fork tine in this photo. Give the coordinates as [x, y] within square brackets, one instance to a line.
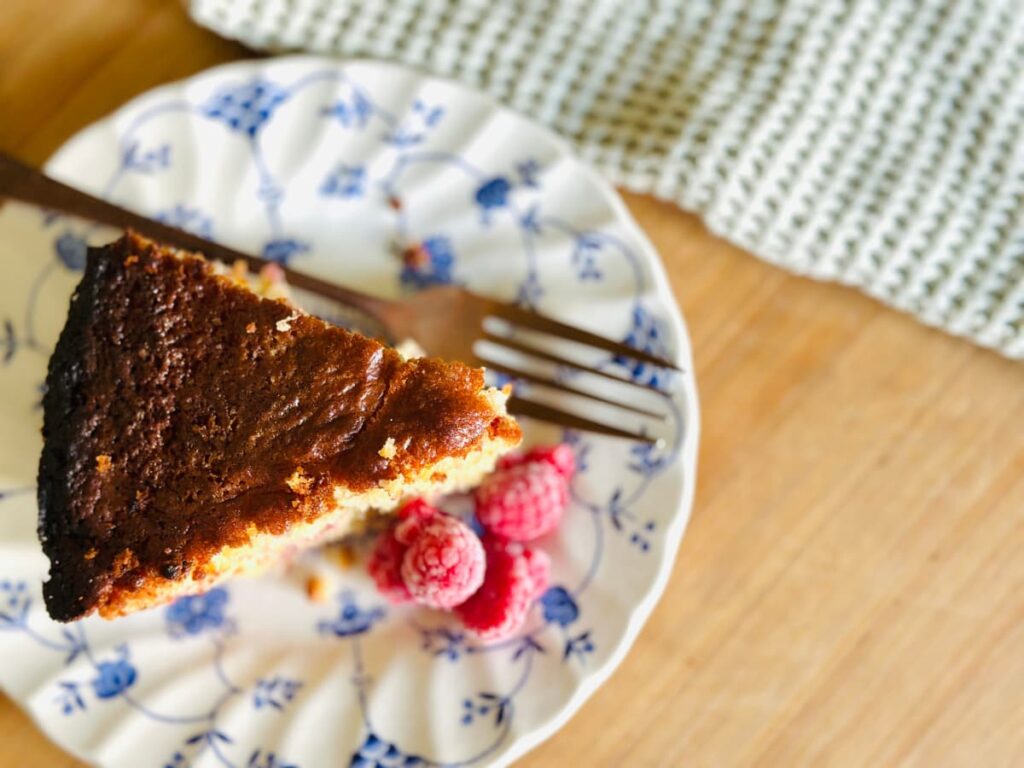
[547, 382]
[535, 410]
[544, 324]
[552, 358]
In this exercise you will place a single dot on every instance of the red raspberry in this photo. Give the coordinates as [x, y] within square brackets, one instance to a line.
[412, 517]
[501, 605]
[559, 456]
[509, 460]
[523, 502]
[444, 565]
[540, 570]
[385, 567]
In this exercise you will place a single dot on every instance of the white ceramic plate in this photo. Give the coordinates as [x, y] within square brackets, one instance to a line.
[339, 169]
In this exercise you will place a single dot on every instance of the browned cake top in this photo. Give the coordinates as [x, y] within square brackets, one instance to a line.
[178, 404]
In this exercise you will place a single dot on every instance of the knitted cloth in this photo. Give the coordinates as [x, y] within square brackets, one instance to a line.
[878, 143]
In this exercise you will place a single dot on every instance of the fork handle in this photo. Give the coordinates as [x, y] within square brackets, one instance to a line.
[22, 182]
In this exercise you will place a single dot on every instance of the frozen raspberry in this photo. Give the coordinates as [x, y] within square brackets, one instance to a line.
[523, 502]
[540, 570]
[501, 605]
[559, 456]
[509, 460]
[385, 567]
[412, 517]
[444, 565]
[537, 560]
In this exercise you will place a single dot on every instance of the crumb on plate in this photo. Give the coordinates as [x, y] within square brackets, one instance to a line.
[317, 589]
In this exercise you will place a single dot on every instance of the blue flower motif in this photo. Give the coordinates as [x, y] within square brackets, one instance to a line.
[187, 218]
[530, 290]
[444, 642]
[584, 256]
[71, 250]
[115, 677]
[345, 181]
[648, 458]
[580, 447]
[75, 645]
[69, 698]
[640, 541]
[528, 170]
[377, 753]
[484, 705]
[429, 263]
[270, 192]
[134, 159]
[194, 614]
[559, 606]
[247, 107]
[275, 692]
[646, 334]
[530, 221]
[351, 114]
[211, 737]
[14, 603]
[429, 114]
[283, 249]
[414, 128]
[527, 647]
[617, 511]
[579, 646]
[351, 619]
[493, 194]
[269, 760]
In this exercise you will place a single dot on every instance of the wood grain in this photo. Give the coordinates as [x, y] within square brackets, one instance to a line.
[851, 589]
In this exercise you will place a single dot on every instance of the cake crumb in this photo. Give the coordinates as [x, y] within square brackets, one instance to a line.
[272, 273]
[90, 553]
[103, 463]
[133, 259]
[409, 349]
[342, 555]
[250, 328]
[240, 271]
[316, 589]
[286, 323]
[388, 450]
[272, 283]
[299, 482]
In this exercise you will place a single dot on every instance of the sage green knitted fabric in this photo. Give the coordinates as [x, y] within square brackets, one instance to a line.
[871, 142]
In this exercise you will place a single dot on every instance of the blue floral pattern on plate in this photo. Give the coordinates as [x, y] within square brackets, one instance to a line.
[394, 193]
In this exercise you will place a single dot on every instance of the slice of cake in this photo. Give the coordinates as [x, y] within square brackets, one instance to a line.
[194, 430]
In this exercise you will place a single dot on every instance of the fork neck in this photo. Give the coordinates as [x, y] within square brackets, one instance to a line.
[381, 309]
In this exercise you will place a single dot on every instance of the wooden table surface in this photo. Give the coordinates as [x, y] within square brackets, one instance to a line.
[851, 588]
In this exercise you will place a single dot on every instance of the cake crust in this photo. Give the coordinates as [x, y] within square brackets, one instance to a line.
[186, 417]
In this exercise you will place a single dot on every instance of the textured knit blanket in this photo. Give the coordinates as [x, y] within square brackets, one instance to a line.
[875, 143]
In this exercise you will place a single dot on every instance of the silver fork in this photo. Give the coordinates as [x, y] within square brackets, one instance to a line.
[445, 321]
